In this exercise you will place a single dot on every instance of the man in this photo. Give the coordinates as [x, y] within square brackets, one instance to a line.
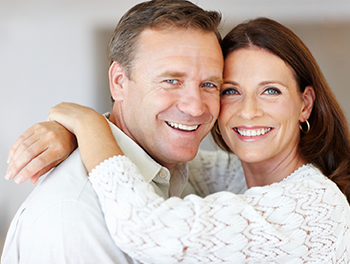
[165, 75]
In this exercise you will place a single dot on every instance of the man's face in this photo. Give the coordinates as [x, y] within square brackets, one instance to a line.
[171, 101]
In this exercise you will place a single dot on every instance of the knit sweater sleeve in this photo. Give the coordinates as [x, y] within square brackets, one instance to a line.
[293, 221]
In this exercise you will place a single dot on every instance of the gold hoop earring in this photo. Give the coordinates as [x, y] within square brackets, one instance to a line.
[217, 130]
[308, 127]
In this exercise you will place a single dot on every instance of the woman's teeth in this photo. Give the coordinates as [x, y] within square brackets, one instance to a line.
[182, 127]
[253, 133]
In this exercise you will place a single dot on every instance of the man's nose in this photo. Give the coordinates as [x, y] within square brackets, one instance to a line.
[191, 102]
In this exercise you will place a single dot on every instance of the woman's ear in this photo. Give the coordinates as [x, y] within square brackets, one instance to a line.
[117, 79]
[308, 98]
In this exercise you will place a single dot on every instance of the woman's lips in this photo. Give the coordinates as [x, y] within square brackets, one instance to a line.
[252, 132]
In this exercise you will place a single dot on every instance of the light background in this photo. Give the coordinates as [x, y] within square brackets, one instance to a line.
[55, 50]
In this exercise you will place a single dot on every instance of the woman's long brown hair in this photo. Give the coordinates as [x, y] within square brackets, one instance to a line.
[327, 144]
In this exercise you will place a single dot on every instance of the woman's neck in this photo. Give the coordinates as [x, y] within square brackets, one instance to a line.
[268, 172]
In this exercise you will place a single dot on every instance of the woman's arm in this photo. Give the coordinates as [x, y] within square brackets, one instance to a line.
[281, 223]
[95, 139]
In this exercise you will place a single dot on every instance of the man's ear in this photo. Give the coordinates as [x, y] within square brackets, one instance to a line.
[117, 78]
[308, 97]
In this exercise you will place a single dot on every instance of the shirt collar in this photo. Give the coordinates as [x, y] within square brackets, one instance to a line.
[146, 165]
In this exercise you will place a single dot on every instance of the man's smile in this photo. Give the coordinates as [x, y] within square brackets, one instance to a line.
[181, 126]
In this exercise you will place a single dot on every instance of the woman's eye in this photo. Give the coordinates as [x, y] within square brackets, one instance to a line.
[229, 91]
[272, 91]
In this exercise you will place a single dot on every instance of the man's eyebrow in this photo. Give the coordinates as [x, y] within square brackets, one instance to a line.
[172, 74]
[217, 79]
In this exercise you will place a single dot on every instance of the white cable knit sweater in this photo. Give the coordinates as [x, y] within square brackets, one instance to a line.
[302, 219]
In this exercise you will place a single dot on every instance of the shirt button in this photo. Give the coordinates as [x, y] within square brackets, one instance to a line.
[163, 174]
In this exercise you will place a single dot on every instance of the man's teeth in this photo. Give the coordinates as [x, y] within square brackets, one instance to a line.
[182, 127]
[253, 133]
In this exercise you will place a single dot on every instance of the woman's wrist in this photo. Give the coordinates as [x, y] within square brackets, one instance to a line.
[96, 141]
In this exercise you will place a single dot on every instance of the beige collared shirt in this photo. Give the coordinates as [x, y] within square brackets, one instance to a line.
[153, 172]
[61, 220]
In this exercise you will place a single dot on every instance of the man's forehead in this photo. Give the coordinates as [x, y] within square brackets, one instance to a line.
[179, 53]
[181, 42]
[175, 36]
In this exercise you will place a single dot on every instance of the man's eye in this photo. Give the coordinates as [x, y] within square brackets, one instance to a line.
[272, 91]
[229, 91]
[209, 85]
[172, 81]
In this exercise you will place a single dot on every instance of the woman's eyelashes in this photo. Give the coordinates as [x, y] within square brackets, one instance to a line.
[229, 91]
[267, 91]
[272, 91]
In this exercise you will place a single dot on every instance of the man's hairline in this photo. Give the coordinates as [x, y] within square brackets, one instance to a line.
[161, 27]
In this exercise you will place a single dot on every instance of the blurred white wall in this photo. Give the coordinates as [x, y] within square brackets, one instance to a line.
[53, 51]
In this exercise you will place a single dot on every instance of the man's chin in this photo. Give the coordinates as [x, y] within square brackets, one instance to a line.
[184, 156]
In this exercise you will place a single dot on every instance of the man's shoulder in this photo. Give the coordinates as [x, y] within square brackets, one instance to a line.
[61, 221]
[67, 183]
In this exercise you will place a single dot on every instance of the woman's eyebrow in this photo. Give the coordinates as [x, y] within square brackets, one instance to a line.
[271, 82]
[230, 82]
[216, 79]
[261, 83]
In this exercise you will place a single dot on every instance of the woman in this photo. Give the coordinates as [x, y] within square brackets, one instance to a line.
[279, 116]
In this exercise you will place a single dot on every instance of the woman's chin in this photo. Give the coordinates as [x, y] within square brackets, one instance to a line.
[251, 157]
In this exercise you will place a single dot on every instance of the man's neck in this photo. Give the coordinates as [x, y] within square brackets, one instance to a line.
[116, 120]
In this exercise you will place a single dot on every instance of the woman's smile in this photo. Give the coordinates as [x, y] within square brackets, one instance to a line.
[251, 132]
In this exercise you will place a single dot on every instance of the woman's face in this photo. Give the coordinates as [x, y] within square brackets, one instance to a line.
[261, 106]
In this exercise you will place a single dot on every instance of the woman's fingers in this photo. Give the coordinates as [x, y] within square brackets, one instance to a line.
[22, 143]
[38, 150]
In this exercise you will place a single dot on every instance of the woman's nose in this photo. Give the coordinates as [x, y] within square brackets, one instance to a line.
[249, 108]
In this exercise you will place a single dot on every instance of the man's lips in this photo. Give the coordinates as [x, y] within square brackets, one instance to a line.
[250, 132]
[181, 126]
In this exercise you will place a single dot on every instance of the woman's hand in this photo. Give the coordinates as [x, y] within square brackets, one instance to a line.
[39, 149]
[74, 117]
[95, 139]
